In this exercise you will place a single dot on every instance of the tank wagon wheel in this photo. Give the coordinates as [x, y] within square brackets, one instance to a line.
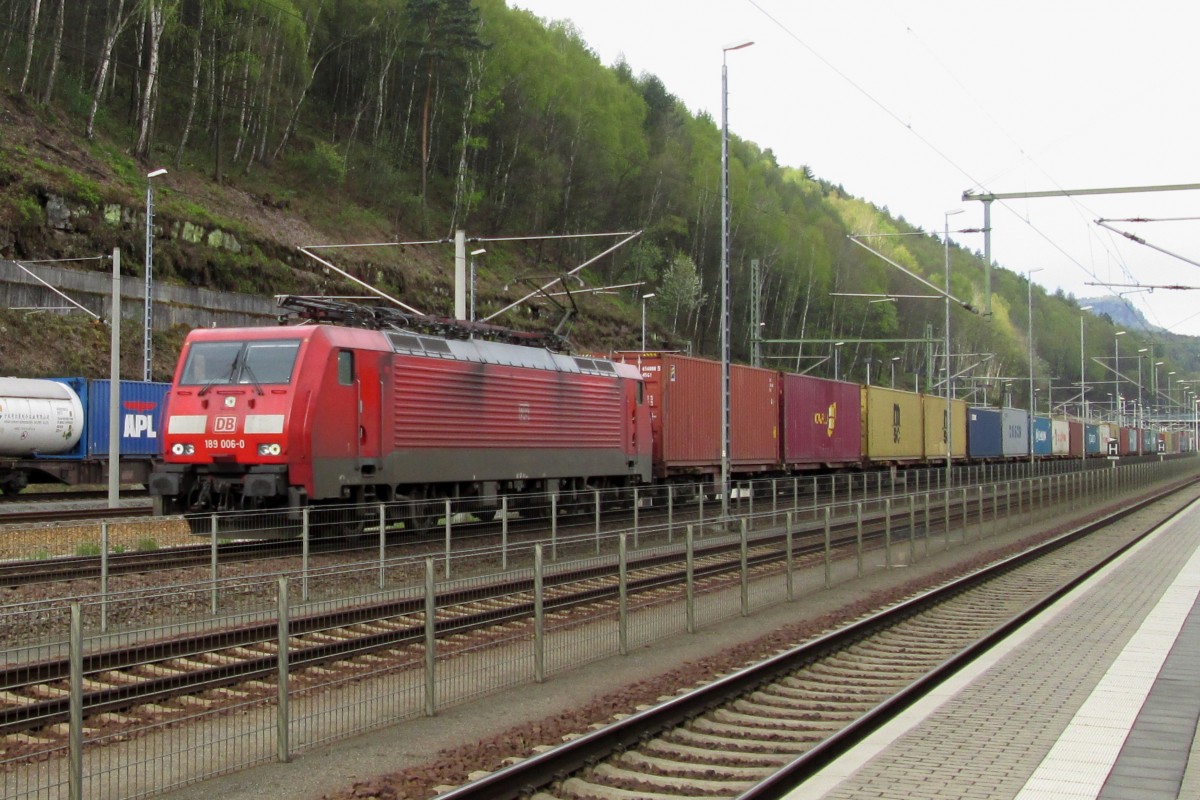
[12, 484]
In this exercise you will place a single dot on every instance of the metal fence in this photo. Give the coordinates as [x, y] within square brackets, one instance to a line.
[508, 614]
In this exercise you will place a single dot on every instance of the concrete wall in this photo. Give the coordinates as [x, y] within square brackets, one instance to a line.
[173, 305]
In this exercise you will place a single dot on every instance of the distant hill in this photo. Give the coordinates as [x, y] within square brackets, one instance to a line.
[1122, 314]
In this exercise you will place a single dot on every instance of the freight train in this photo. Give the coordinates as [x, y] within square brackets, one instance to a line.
[328, 417]
[57, 431]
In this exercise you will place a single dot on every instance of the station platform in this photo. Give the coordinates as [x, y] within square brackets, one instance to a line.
[1098, 697]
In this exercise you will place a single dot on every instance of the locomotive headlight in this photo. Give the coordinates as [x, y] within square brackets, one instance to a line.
[269, 449]
[180, 449]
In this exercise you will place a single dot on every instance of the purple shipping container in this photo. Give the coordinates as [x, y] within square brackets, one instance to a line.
[822, 422]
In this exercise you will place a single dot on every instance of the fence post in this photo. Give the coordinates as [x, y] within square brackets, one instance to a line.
[103, 577]
[623, 594]
[504, 532]
[596, 494]
[539, 616]
[828, 552]
[448, 533]
[382, 545]
[787, 538]
[212, 599]
[912, 525]
[691, 580]
[554, 525]
[304, 537]
[670, 512]
[430, 639]
[887, 532]
[858, 546]
[745, 569]
[283, 750]
[75, 706]
[946, 530]
[637, 512]
[700, 504]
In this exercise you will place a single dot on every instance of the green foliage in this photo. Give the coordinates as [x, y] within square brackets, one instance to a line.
[323, 166]
[147, 545]
[29, 211]
[87, 549]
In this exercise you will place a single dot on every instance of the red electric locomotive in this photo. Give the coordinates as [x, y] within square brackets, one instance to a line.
[328, 416]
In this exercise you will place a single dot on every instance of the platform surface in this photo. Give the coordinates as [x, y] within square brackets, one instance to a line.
[1098, 697]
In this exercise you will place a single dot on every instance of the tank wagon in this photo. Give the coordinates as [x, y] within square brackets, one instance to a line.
[57, 431]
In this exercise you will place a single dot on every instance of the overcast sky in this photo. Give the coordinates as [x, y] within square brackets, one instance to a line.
[907, 103]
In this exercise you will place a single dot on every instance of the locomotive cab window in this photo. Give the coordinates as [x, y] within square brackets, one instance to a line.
[345, 367]
[256, 362]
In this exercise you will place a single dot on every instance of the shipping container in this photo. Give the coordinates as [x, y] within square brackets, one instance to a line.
[984, 439]
[1043, 436]
[1108, 438]
[1094, 447]
[1062, 437]
[1126, 441]
[755, 440]
[934, 412]
[822, 422]
[139, 418]
[1014, 427]
[684, 397]
[1076, 439]
[1149, 441]
[893, 429]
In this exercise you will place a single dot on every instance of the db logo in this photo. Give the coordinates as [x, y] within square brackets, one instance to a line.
[225, 425]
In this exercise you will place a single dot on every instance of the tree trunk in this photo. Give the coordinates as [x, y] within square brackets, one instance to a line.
[35, 8]
[111, 34]
[155, 23]
[55, 54]
[197, 60]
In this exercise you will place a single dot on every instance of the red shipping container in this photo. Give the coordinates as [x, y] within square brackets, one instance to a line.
[1076, 439]
[822, 422]
[684, 398]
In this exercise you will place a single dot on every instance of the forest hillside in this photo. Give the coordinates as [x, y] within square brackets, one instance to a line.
[284, 123]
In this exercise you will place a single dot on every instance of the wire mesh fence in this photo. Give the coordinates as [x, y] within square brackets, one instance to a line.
[142, 689]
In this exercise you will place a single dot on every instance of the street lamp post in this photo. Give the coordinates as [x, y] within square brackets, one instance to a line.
[147, 323]
[1140, 401]
[894, 360]
[1082, 390]
[1154, 365]
[645, 297]
[949, 427]
[725, 382]
[1032, 408]
[1117, 368]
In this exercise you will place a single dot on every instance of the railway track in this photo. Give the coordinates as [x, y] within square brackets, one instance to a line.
[133, 683]
[18, 518]
[762, 731]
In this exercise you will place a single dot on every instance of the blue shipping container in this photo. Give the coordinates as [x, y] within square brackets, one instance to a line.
[1043, 438]
[983, 433]
[1149, 441]
[1092, 440]
[139, 418]
[1014, 425]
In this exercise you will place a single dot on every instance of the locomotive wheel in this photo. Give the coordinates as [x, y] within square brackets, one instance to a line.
[421, 516]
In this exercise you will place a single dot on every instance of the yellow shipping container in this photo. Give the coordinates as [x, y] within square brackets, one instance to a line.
[934, 410]
[892, 425]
